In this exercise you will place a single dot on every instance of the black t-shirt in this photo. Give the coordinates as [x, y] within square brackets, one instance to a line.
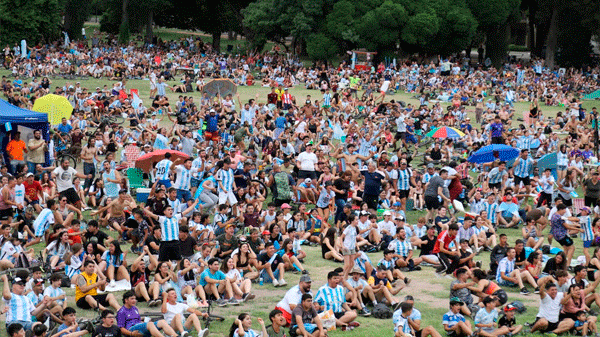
[26, 222]
[157, 206]
[187, 246]
[341, 185]
[113, 331]
[149, 239]
[241, 182]
[97, 238]
[504, 321]
[427, 248]
[264, 258]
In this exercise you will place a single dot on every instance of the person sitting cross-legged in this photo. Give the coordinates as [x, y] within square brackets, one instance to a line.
[174, 315]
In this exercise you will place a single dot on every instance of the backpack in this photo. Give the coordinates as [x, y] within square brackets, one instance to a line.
[282, 186]
[382, 311]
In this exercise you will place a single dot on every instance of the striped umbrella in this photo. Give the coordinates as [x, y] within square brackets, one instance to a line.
[445, 132]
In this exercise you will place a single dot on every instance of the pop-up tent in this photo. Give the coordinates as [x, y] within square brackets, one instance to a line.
[13, 117]
[22, 117]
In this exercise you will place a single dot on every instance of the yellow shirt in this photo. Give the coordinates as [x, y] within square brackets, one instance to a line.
[279, 93]
[89, 280]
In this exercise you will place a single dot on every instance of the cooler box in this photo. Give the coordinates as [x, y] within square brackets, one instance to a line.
[142, 194]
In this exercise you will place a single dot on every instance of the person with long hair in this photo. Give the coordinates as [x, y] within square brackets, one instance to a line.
[114, 264]
[329, 246]
[242, 325]
[290, 257]
[241, 286]
[245, 260]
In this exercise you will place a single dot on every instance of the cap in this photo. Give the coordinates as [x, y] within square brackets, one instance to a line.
[307, 181]
[397, 204]
[18, 280]
[400, 217]
[305, 278]
[387, 213]
[510, 307]
[36, 268]
[455, 300]
[286, 205]
[37, 282]
[587, 209]
[430, 165]
[364, 213]
[29, 174]
[265, 232]
[356, 270]
[348, 206]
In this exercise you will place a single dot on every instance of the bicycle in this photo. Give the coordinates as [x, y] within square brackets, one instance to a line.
[64, 150]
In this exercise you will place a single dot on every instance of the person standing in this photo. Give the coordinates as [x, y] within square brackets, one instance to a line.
[37, 148]
[63, 175]
[434, 191]
[16, 150]
[372, 189]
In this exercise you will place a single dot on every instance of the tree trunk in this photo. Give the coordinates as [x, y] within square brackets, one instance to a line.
[496, 45]
[552, 39]
[124, 15]
[149, 25]
[216, 41]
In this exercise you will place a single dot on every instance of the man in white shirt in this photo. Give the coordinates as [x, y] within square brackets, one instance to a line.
[306, 162]
[550, 306]
[292, 297]
[173, 313]
[63, 175]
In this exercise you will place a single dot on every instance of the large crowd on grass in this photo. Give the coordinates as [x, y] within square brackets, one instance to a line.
[240, 190]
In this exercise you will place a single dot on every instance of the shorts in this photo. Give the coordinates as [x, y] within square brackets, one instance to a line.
[119, 220]
[561, 167]
[402, 194]
[432, 202]
[166, 183]
[567, 202]
[339, 315]
[551, 326]
[26, 325]
[227, 196]
[184, 194]
[100, 298]
[302, 174]
[309, 327]
[142, 327]
[5, 214]
[348, 252]
[496, 185]
[501, 296]
[526, 181]
[504, 283]
[194, 182]
[266, 277]
[169, 251]
[211, 136]
[587, 243]
[71, 195]
[566, 241]
[400, 136]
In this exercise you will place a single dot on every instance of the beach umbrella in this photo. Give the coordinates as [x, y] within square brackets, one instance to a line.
[220, 86]
[489, 153]
[57, 107]
[146, 161]
[445, 132]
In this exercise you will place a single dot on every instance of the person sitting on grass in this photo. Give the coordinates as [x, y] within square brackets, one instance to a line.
[305, 319]
[404, 324]
[331, 296]
[547, 319]
[87, 286]
[174, 315]
[69, 328]
[107, 328]
[131, 324]
[382, 288]
[509, 276]
[454, 323]
[271, 266]
[486, 319]
[241, 327]
[508, 320]
[583, 324]
[277, 324]
[216, 283]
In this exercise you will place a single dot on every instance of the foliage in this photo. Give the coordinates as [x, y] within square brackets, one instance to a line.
[76, 12]
[32, 20]
[320, 47]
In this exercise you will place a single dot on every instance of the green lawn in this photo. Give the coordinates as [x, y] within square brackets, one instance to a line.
[431, 293]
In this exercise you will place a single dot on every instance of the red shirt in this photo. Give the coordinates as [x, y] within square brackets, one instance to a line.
[31, 190]
[75, 238]
[443, 239]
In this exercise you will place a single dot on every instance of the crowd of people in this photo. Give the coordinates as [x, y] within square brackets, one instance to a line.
[345, 169]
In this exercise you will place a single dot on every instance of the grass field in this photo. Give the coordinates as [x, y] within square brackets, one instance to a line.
[431, 293]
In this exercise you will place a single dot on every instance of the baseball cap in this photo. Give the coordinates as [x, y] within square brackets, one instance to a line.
[364, 213]
[356, 270]
[18, 280]
[587, 209]
[266, 232]
[455, 300]
[430, 165]
[29, 174]
[400, 217]
[38, 281]
[510, 307]
[397, 204]
[307, 181]
[387, 213]
[305, 278]
[286, 205]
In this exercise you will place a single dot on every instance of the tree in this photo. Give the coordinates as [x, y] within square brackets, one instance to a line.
[320, 47]
[75, 12]
[32, 20]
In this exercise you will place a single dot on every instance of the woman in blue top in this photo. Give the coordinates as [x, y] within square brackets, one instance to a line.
[241, 327]
[206, 192]
[114, 262]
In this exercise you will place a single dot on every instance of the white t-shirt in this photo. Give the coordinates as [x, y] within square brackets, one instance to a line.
[20, 194]
[293, 296]
[550, 308]
[307, 161]
[172, 310]
[64, 178]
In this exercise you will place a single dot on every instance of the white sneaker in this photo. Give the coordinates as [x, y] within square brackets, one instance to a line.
[185, 334]
[203, 333]
[112, 283]
[282, 283]
[275, 283]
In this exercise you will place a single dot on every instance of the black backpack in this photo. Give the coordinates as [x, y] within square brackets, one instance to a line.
[382, 311]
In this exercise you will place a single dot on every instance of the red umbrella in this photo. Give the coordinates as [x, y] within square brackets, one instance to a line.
[146, 161]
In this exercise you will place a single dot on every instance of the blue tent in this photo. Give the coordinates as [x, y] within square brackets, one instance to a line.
[18, 116]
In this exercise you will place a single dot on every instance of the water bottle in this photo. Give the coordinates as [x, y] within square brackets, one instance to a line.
[217, 246]
[260, 281]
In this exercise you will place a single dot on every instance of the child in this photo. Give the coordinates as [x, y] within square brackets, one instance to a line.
[508, 320]
[587, 234]
[389, 262]
[454, 322]
[348, 239]
[69, 328]
[55, 295]
[583, 325]
[486, 318]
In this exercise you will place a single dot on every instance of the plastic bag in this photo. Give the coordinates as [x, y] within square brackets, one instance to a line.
[328, 320]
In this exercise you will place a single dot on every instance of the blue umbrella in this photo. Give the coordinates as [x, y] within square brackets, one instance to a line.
[489, 153]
